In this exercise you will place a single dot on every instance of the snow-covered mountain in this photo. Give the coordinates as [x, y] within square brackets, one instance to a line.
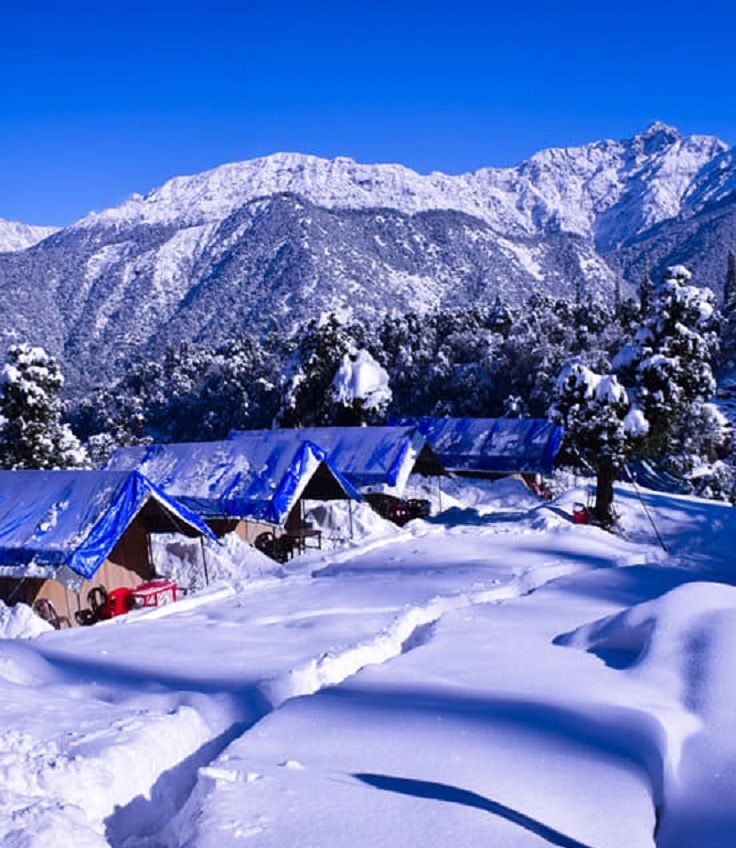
[15, 236]
[607, 191]
[287, 236]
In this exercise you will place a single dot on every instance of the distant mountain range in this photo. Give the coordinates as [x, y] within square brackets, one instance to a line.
[288, 236]
[15, 236]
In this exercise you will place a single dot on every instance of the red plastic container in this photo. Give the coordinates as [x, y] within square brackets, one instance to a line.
[119, 601]
[580, 514]
[155, 593]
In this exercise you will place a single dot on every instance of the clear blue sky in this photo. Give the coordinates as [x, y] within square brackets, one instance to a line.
[101, 99]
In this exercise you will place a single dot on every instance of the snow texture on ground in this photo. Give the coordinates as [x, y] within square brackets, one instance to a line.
[495, 675]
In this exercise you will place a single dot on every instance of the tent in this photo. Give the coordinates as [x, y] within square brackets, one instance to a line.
[651, 474]
[62, 532]
[371, 458]
[491, 446]
[261, 479]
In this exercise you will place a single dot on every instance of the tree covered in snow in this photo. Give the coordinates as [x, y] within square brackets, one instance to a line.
[728, 331]
[595, 413]
[32, 433]
[697, 438]
[306, 387]
[646, 289]
[360, 390]
[484, 360]
[192, 393]
[669, 364]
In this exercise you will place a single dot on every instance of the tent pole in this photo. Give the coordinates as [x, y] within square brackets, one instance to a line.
[151, 566]
[204, 561]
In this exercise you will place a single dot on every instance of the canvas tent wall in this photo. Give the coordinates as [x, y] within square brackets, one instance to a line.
[490, 447]
[245, 485]
[64, 532]
[378, 459]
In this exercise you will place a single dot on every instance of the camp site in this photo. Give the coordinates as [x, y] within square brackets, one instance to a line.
[367, 424]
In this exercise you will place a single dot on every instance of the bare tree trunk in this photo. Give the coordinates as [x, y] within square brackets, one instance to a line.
[605, 478]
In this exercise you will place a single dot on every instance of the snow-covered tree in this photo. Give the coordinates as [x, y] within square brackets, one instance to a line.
[360, 390]
[307, 384]
[599, 424]
[646, 289]
[514, 407]
[32, 434]
[669, 364]
[728, 330]
[729, 289]
[698, 438]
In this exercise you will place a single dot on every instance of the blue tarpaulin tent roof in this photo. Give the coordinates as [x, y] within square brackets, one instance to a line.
[491, 445]
[69, 521]
[367, 456]
[259, 478]
[649, 473]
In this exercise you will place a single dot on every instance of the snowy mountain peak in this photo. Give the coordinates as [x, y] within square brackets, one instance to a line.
[607, 191]
[660, 128]
[15, 236]
[289, 236]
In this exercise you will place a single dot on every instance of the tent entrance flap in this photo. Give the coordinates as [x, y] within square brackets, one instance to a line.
[323, 486]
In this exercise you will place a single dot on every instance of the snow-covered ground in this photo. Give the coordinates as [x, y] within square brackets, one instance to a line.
[495, 676]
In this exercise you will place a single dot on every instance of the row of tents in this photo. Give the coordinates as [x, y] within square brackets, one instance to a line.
[64, 533]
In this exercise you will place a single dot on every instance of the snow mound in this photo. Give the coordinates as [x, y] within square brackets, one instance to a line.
[231, 560]
[39, 822]
[661, 634]
[20, 622]
[333, 519]
[508, 493]
[682, 648]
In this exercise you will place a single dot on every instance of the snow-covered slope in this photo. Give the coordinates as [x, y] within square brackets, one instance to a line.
[494, 676]
[15, 236]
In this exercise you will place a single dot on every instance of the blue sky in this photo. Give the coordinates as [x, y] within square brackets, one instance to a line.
[98, 100]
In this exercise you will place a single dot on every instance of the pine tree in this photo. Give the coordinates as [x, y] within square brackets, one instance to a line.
[646, 289]
[307, 397]
[729, 289]
[594, 412]
[32, 434]
[670, 360]
[728, 331]
[360, 391]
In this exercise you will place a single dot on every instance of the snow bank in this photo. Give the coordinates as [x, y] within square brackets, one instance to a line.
[507, 493]
[333, 519]
[683, 645]
[20, 622]
[230, 560]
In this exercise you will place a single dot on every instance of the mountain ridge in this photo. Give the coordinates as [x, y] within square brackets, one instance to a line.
[290, 236]
[559, 189]
[17, 236]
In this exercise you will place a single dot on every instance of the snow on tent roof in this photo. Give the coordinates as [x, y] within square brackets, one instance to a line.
[261, 479]
[63, 524]
[491, 445]
[367, 456]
